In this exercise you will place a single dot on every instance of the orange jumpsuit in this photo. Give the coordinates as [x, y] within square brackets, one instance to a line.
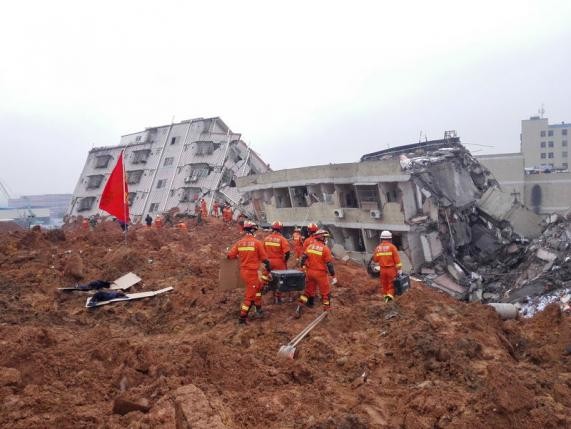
[250, 251]
[317, 256]
[387, 256]
[298, 244]
[276, 247]
[203, 209]
[158, 223]
[307, 242]
[215, 207]
[85, 224]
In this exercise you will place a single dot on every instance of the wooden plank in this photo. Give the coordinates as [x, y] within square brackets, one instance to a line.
[130, 297]
[229, 274]
[125, 282]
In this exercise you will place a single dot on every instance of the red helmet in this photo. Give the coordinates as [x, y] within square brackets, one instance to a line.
[250, 226]
[312, 227]
[277, 225]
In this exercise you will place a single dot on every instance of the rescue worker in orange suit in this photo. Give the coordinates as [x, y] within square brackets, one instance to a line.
[387, 256]
[85, 224]
[277, 249]
[158, 222]
[251, 252]
[203, 209]
[317, 262]
[297, 242]
[311, 230]
[216, 208]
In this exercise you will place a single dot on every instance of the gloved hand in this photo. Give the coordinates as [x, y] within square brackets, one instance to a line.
[334, 281]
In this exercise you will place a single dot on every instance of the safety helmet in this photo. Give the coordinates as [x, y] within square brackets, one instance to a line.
[321, 234]
[250, 226]
[277, 225]
[386, 235]
[312, 227]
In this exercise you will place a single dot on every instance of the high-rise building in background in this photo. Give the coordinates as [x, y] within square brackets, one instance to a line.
[545, 145]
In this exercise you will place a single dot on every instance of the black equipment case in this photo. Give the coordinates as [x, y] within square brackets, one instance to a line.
[401, 283]
[287, 280]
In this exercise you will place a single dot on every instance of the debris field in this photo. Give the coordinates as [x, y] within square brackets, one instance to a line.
[181, 360]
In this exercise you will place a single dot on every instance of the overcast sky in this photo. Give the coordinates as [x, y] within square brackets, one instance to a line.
[305, 82]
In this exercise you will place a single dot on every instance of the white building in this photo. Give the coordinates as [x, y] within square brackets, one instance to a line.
[544, 144]
[170, 166]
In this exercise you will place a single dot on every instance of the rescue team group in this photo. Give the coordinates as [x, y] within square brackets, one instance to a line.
[314, 257]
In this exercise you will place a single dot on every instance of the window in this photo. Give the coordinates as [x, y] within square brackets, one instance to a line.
[173, 140]
[161, 183]
[134, 177]
[550, 133]
[141, 156]
[189, 194]
[138, 139]
[550, 155]
[85, 204]
[564, 143]
[131, 198]
[564, 165]
[154, 207]
[543, 156]
[168, 161]
[204, 148]
[542, 134]
[550, 144]
[93, 182]
[563, 132]
[102, 161]
[542, 144]
[564, 154]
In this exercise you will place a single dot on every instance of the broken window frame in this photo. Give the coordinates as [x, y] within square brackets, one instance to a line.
[94, 181]
[102, 161]
[161, 183]
[85, 204]
[154, 207]
[168, 161]
[134, 176]
[140, 156]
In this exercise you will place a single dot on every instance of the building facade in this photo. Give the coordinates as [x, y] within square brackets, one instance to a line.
[545, 145]
[170, 166]
[544, 192]
[434, 197]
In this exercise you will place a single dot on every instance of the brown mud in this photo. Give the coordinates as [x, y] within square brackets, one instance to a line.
[181, 360]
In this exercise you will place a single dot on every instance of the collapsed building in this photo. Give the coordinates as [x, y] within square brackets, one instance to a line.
[445, 210]
[170, 166]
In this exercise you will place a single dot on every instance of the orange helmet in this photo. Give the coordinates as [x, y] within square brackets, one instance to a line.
[277, 225]
[321, 234]
[312, 227]
[250, 226]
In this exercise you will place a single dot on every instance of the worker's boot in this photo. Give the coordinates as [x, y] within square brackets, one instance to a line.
[243, 320]
[326, 300]
[258, 313]
[310, 302]
[388, 298]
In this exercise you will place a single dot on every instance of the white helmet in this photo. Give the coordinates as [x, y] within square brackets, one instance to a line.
[386, 235]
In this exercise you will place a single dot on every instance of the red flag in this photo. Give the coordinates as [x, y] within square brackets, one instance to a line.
[114, 197]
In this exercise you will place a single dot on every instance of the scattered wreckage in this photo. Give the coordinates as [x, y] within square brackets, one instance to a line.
[481, 244]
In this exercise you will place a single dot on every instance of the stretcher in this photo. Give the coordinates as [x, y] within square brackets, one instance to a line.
[126, 297]
[122, 283]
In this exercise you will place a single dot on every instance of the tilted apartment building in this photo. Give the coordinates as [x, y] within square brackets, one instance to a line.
[170, 166]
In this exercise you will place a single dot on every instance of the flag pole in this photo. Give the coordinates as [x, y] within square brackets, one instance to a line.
[125, 196]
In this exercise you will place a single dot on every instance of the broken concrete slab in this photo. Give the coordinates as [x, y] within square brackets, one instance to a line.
[431, 246]
[456, 272]
[447, 284]
[545, 255]
[500, 207]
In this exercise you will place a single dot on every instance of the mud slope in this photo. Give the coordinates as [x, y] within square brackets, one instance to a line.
[182, 359]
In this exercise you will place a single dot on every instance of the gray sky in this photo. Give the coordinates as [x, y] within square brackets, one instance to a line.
[305, 82]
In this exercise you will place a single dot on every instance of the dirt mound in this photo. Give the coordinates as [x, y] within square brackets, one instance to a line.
[9, 226]
[181, 360]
